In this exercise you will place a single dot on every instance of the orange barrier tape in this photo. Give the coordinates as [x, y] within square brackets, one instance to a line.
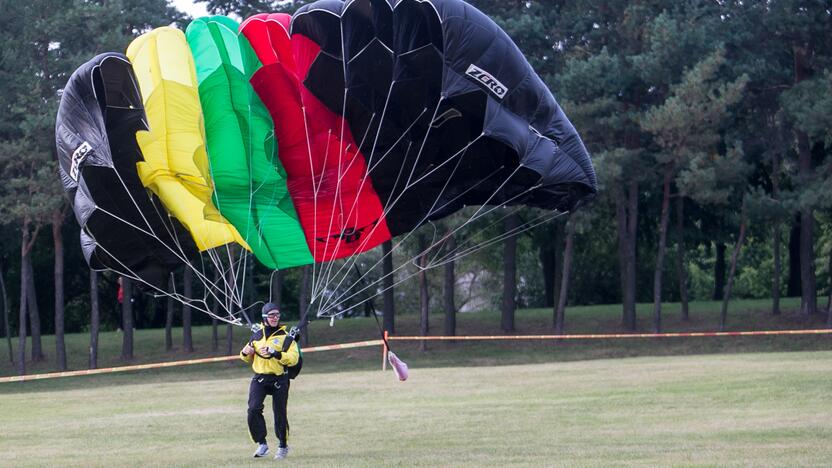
[611, 335]
[360, 344]
[159, 365]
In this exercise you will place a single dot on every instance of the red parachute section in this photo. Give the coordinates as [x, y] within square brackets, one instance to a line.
[339, 210]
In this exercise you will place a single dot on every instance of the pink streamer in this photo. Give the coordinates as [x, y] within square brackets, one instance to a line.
[399, 366]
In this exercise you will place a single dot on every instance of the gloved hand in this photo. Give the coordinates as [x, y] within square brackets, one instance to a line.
[277, 354]
[290, 337]
[265, 352]
[247, 350]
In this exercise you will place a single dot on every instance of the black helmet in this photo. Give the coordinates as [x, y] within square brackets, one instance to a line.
[269, 307]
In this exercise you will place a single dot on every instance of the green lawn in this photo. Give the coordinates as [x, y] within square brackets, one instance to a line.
[642, 402]
[743, 315]
[762, 409]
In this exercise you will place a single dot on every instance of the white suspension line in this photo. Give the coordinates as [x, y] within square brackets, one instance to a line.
[315, 286]
[128, 273]
[312, 171]
[472, 237]
[323, 313]
[176, 254]
[389, 205]
[341, 298]
[471, 219]
[430, 211]
[500, 238]
[338, 194]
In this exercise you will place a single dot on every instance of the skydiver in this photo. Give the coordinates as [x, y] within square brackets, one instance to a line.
[269, 360]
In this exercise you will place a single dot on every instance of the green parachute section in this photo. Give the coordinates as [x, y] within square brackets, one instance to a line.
[249, 182]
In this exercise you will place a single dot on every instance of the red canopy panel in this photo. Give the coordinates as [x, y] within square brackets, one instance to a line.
[340, 212]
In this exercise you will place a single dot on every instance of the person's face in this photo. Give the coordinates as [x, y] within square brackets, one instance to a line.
[273, 318]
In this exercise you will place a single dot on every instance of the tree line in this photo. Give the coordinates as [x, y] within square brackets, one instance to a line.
[709, 123]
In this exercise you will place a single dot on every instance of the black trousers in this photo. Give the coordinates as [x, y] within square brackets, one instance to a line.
[278, 387]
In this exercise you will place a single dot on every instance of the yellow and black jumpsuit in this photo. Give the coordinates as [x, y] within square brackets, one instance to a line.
[270, 378]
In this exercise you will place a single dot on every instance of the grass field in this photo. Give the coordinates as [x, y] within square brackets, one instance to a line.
[755, 401]
[768, 409]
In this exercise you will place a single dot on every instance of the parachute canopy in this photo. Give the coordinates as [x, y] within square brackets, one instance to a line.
[249, 181]
[122, 228]
[308, 138]
[448, 110]
[175, 166]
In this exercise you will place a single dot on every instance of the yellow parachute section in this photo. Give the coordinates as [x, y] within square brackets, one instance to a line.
[176, 165]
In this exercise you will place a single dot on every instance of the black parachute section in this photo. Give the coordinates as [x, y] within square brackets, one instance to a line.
[446, 108]
[122, 227]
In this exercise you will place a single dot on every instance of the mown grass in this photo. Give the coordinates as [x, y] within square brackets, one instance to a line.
[763, 409]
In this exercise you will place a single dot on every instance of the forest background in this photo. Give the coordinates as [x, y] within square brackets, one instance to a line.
[709, 124]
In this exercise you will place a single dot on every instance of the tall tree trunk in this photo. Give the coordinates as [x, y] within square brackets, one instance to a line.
[808, 287]
[560, 311]
[449, 288]
[387, 285]
[626, 211]
[251, 292]
[6, 325]
[424, 296]
[621, 229]
[681, 267]
[719, 271]
[229, 331]
[794, 286]
[215, 331]
[657, 276]
[559, 239]
[24, 297]
[546, 255]
[215, 305]
[34, 312]
[215, 335]
[829, 300]
[188, 291]
[723, 317]
[632, 231]
[305, 301]
[829, 311]
[277, 288]
[58, 240]
[776, 278]
[169, 317]
[802, 52]
[127, 319]
[368, 304]
[776, 237]
[95, 319]
[229, 339]
[251, 286]
[509, 275]
[27, 240]
[303, 294]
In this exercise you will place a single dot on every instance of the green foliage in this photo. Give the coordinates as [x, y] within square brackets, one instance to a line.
[809, 105]
[714, 179]
[687, 123]
[44, 41]
[245, 8]
[710, 87]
